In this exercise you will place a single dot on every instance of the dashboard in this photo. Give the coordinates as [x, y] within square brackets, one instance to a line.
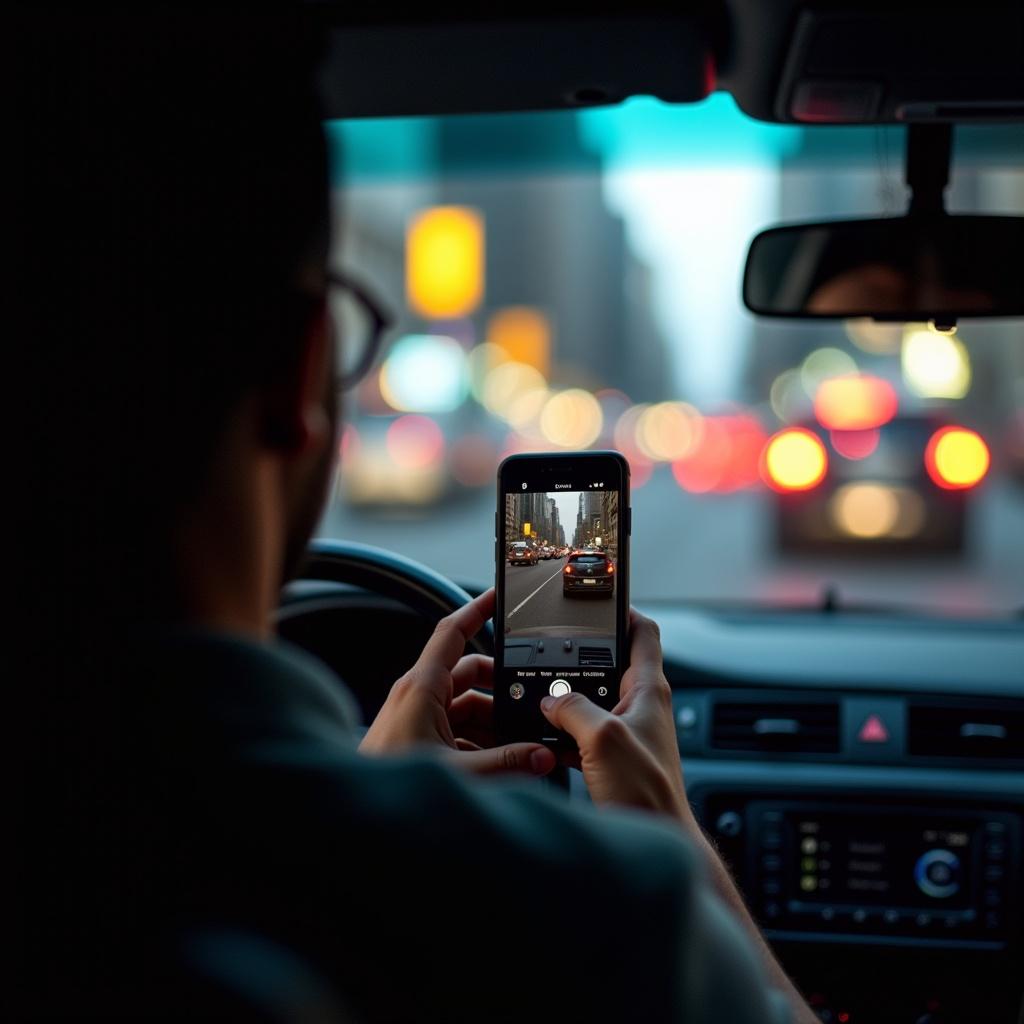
[862, 775]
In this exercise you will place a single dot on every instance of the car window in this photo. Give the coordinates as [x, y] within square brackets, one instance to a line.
[571, 280]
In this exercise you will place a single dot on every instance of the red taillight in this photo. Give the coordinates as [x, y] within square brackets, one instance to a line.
[956, 458]
[611, 568]
[794, 459]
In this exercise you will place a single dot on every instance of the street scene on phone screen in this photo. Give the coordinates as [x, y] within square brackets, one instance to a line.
[561, 566]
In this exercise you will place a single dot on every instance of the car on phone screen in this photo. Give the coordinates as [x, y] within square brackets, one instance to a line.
[522, 553]
[590, 572]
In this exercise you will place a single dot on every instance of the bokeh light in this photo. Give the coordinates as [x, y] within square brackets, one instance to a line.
[856, 402]
[874, 510]
[481, 360]
[624, 434]
[726, 457]
[935, 365]
[425, 373]
[444, 262]
[788, 399]
[668, 431]
[875, 336]
[414, 442]
[956, 458]
[524, 410]
[507, 382]
[822, 364]
[571, 419]
[794, 460]
[523, 333]
[865, 510]
[855, 444]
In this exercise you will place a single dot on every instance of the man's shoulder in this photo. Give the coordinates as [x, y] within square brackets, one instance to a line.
[229, 690]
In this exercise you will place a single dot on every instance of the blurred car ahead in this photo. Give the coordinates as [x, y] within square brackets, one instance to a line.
[522, 553]
[588, 571]
[901, 487]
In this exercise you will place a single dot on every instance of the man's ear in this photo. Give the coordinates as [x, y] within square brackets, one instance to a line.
[295, 418]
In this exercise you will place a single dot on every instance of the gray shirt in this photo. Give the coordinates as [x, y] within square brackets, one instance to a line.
[395, 888]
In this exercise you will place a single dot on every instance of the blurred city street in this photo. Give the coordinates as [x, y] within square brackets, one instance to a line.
[535, 604]
[720, 548]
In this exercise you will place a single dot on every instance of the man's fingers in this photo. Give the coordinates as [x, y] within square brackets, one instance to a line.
[454, 631]
[473, 672]
[471, 717]
[528, 758]
[579, 717]
[471, 709]
[645, 658]
[645, 641]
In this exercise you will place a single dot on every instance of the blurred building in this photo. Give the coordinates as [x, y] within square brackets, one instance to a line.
[610, 522]
[554, 244]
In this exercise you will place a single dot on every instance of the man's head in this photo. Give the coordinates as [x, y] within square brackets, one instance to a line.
[179, 402]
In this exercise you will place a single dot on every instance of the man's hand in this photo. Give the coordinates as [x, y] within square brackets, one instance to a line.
[437, 703]
[630, 755]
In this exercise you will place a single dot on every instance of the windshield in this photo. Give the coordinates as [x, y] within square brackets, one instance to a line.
[572, 279]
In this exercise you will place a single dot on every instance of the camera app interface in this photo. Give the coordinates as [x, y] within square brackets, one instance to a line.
[559, 601]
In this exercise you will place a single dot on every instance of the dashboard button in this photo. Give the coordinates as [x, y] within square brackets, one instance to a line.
[686, 716]
[937, 873]
[729, 823]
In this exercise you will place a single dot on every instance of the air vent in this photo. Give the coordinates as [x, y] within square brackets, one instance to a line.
[983, 730]
[596, 657]
[786, 727]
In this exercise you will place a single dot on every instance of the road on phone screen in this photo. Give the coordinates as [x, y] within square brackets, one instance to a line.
[534, 600]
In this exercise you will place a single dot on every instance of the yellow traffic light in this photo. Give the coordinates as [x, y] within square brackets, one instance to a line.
[523, 334]
[444, 262]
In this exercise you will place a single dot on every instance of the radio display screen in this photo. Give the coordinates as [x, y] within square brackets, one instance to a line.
[879, 860]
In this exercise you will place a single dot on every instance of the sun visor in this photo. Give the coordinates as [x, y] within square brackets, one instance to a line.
[891, 66]
[528, 62]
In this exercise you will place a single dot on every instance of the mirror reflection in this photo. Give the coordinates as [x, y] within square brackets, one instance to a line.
[906, 268]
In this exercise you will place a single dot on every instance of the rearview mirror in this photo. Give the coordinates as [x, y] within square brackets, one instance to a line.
[919, 267]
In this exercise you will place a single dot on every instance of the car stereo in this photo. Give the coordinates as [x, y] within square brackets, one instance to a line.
[883, 871]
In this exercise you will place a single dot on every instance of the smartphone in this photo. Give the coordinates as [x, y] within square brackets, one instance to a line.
[562, 580]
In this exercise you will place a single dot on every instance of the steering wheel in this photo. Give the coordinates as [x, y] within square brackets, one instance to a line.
[390, 576]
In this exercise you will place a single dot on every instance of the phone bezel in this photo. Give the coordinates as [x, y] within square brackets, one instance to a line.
[552, 464]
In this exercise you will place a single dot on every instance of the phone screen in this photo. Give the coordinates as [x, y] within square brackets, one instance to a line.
[562, 581]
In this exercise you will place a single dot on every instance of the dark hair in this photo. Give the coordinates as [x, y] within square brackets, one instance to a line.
[173, 186]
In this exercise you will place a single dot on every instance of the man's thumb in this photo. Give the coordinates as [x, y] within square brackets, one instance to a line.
[528, 758]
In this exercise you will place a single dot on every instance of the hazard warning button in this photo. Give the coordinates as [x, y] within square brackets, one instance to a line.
[873, 730]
